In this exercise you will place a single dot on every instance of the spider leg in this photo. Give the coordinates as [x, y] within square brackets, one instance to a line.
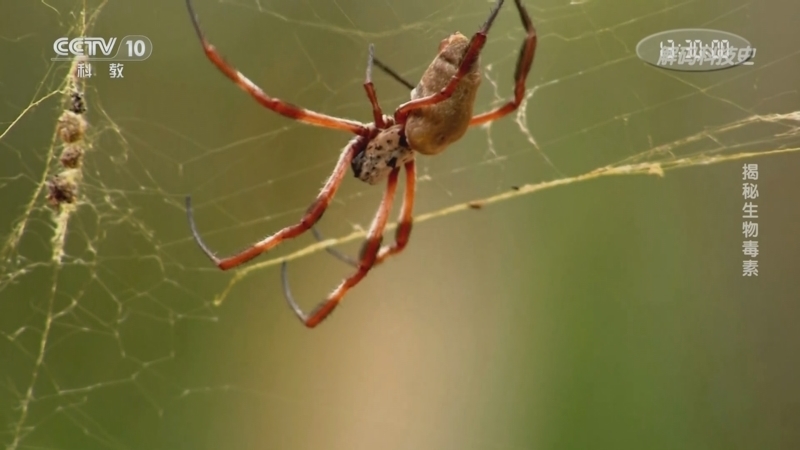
[377, 114]
[470, 57]
[403, 228]
[389, 71]
[366, 262]
[279, 106]
[335, 253]
[524, 63]
[311, 216]
[405, 223]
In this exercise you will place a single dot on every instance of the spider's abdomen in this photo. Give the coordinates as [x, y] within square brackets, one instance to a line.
[431, 129]
[388, 150]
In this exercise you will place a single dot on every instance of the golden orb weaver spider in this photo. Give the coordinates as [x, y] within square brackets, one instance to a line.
[438, 114]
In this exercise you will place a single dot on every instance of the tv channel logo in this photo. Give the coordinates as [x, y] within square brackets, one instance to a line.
[130, 48]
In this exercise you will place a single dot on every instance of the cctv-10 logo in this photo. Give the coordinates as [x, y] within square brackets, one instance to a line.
[130, 48]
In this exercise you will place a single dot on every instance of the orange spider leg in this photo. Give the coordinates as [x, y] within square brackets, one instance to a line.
[366, 262]
[377, 114]
[311, 216]
[524, 63]
[402, 233]
[405, 222]
[279, 106]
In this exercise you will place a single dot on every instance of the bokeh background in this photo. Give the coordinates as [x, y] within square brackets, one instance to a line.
[610, 313]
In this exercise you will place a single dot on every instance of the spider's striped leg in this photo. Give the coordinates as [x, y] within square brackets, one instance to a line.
[402, 233]
[366, 261]
[469, 59]
[279, 106]
[524, 63]
[405, 223]
[311, 216]
[377, 114]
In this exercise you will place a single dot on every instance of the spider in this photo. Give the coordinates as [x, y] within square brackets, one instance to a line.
[438, 114]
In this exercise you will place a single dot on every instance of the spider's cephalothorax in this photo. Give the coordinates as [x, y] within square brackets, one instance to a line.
[385, 152]
[438, 114]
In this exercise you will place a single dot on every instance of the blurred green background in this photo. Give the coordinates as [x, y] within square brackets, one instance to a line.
[610, 314]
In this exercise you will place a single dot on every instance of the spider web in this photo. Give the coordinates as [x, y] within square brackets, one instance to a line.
[110, 333]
